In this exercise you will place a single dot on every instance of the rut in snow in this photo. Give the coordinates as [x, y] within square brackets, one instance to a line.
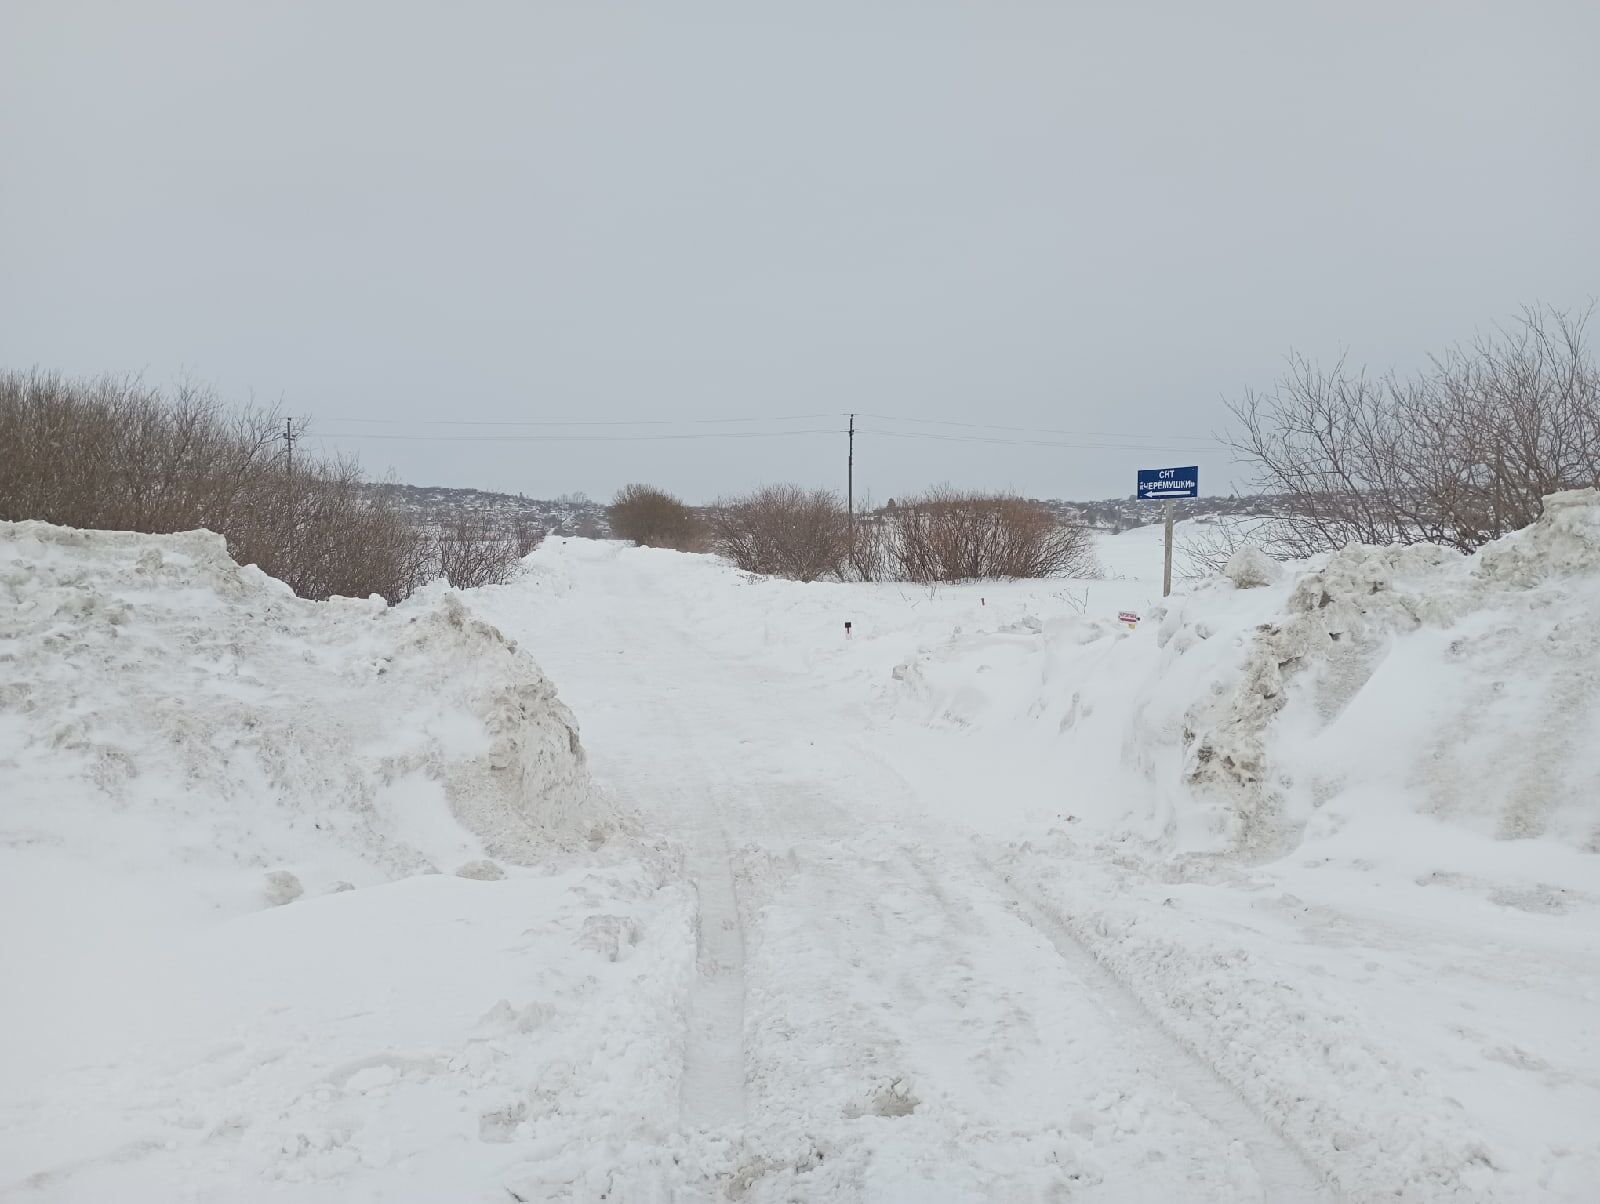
[713, 1065]
[1284, 1171]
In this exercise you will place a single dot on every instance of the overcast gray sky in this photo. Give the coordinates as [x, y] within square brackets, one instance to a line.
[1087, 217]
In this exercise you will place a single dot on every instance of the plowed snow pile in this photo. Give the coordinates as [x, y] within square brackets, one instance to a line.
[1408, 679]
[1465, 688]
[260, 867]
[342, 740]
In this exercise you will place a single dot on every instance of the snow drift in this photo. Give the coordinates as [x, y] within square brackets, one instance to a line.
[152, 686]
[1465, 688]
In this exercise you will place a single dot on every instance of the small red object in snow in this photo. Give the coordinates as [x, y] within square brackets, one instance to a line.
[1127, 616]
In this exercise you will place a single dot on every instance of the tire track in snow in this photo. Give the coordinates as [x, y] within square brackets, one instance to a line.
[1287, 1176]
[712, 1093]
[677, 784]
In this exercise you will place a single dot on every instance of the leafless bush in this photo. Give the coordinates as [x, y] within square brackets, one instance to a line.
[317, 528]
[523, 533]
[783, 531]
[472, 548]
[1203, 547]
[652, 518]
[947, 535]
[1458, 454]
[119, 455]
[872, 550]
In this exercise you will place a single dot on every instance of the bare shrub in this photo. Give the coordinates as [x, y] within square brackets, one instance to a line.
[948, 535]
[1203, 547]
[523, 533]
[118, 455]
[473, 548]
[652, 518]
[783, 531]
[872, 550]
[316, 527]
[1458, 454]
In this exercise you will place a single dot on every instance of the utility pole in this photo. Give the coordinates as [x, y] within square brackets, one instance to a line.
[288, 467]
[850, 489]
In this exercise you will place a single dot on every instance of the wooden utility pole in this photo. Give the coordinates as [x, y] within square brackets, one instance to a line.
[288, 474]
[850, 488]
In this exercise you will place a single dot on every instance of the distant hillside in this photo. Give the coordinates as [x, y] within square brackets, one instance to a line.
[1126, 513]
[574, 514]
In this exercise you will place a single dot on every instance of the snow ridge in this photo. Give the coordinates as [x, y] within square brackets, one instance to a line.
[169, 680]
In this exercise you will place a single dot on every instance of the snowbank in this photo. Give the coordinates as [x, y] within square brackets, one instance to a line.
[273, 912]
[1463, 688]
[150, 681]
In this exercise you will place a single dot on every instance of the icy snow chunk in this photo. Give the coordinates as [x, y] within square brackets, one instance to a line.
[1251, 568]
[1566, 539]
[504, 1020]
[500, 1124]
[891, 1099]
[608, 935]
[482, 871]
[282, 887]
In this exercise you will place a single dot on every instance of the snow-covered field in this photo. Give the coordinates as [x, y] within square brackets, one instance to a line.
[1288, 893]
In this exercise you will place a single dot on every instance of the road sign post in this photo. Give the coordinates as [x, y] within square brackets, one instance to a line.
[1166, 484]
[1166, 559]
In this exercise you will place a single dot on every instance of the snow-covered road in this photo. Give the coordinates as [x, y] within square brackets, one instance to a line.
[878, 1012]
[1287, 895]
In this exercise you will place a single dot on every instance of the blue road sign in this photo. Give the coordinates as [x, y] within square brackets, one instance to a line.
[1157, 483]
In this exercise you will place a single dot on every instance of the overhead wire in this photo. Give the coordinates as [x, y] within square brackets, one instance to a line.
[1039, 430]
[1126, 439]
[970, 432]
[508, 438]
[1147, 447]
[585, 421]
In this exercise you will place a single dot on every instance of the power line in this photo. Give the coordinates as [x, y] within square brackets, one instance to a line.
[1165, 442]
[1140, 447]
[808, 431]
[430, 438]
[1042, 430]
[584, 421]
